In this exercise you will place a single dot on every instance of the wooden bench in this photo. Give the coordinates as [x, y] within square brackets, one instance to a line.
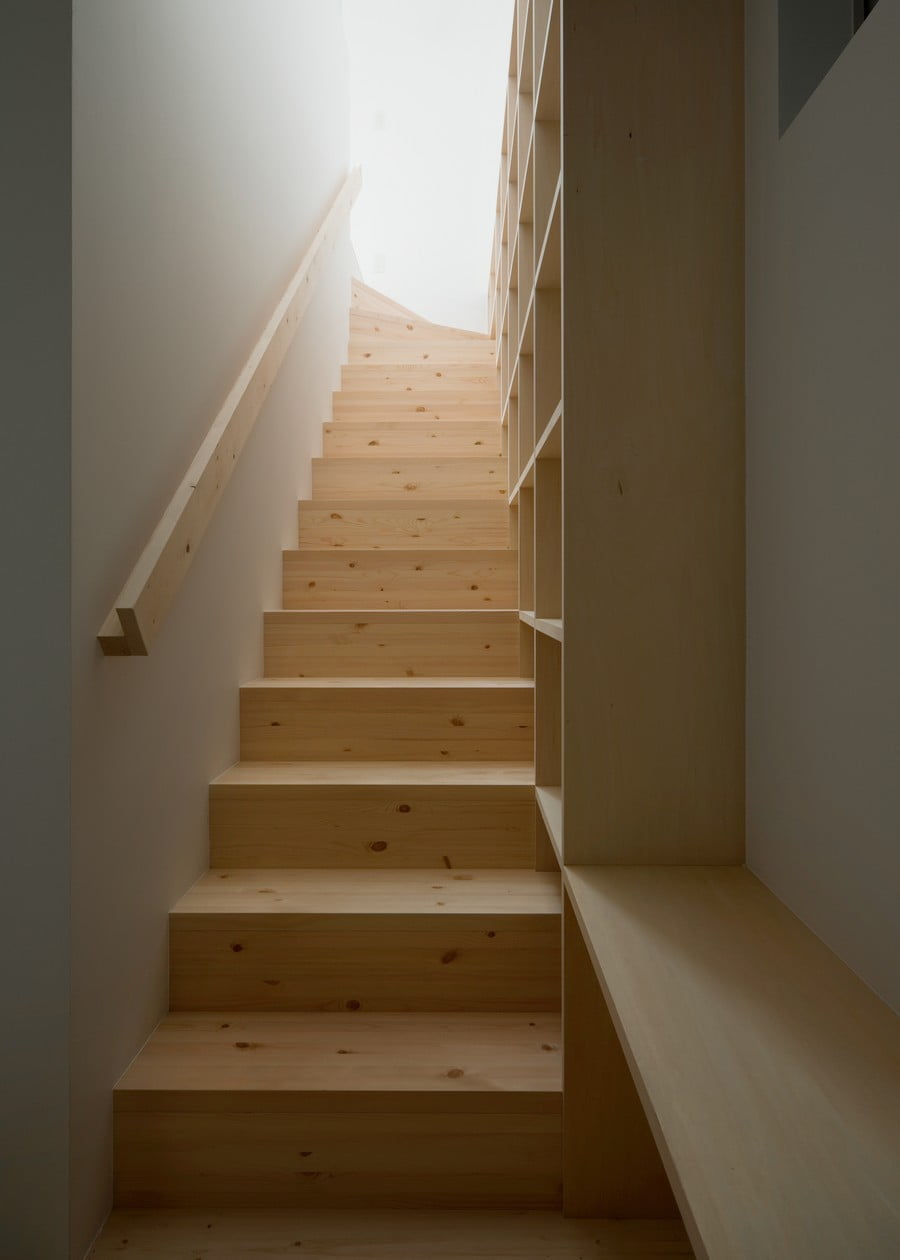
[767, 1073]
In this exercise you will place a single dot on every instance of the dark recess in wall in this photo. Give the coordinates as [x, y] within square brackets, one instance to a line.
[812, 34]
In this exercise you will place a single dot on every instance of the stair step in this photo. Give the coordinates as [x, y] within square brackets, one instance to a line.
[314, 1109]
[376, 349]
[384, 1234]
[387, 719]
[376, 815]
[395, 477]
[396, 643]
[439, 378]
[395, 327]
[412, 438]
[491, 1058]
[341, 578]
[384, 523]
[364, 298]
[456, 404]
[398, 940]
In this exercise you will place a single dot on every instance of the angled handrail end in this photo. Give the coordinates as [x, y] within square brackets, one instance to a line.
[144, 600]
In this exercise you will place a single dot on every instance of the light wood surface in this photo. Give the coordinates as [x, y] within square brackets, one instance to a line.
[390, 719]
[367, 940]
[141, 605]
[414, 438]
[251, 898]
[611, 1166]
[371, 477]
[378, 349]
[428, 378]
[496, 1061]
[384, 1235]
[395, 327]
[282, 1158]
[404, 643]
[383, 524]
[653, 467]
[431, 404]
[447, 578]
[769, 1073]
[278, 820]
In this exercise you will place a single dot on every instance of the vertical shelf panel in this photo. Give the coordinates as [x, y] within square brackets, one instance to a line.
[526, 547]
[652, 204]
[548, 711]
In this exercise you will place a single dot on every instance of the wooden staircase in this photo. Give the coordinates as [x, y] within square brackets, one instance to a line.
[365, 986]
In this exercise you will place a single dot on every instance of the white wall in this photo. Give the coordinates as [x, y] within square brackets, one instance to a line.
[35, 330]
[210, 137]
[823, 493]
[428, 88]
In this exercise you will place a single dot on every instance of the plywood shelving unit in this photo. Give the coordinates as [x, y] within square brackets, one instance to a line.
[527, 314]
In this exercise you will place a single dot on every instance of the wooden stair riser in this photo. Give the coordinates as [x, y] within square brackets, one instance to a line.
[371, 827]
[335, 579]
[391, 644]
[375, 351]
[458, 404]
[371, 325]
[273, 1157]
[394, 478]
[434, 378]
[385, 524]
[413, 438]
[349, 723]
[401, 962]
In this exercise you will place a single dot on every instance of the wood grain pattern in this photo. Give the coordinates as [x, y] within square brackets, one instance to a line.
[498, 1062]
[387, 719]
[380, 524]
[378, 1234]
[653, 468]
[354, 579]
[371, 477]
[435, 378]
[457, 350]
[769, 1073]
[396, 644]
[395, 327]
[414, 438]
[423, 404]
[378, 816]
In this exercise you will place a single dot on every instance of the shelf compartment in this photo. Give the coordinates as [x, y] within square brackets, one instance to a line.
[548, 711]
[547, 356]
[548, 538]
[526, 547]
[550, 809]
[526, 409]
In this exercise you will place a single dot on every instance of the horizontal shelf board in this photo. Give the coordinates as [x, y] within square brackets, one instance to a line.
[551, 626]
[549, 444]
[549, 802]
[756, 1052]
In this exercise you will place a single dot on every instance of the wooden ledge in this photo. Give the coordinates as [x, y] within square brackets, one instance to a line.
[768, 1072]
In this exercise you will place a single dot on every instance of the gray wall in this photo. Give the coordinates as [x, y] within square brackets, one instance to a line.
[823, 479]
[209, 139]
[35, 327]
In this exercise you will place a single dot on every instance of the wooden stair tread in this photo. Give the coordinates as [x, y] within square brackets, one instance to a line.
[769, 1073]
[382, 1234]
[516, 775]
[371, 1052]
[403, 684]
[332, 894]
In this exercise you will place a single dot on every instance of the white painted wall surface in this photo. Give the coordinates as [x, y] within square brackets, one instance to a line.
[823, 493]
[209, 140]
[428, 88]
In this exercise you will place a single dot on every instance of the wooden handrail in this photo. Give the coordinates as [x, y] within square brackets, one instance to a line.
[145, 598]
